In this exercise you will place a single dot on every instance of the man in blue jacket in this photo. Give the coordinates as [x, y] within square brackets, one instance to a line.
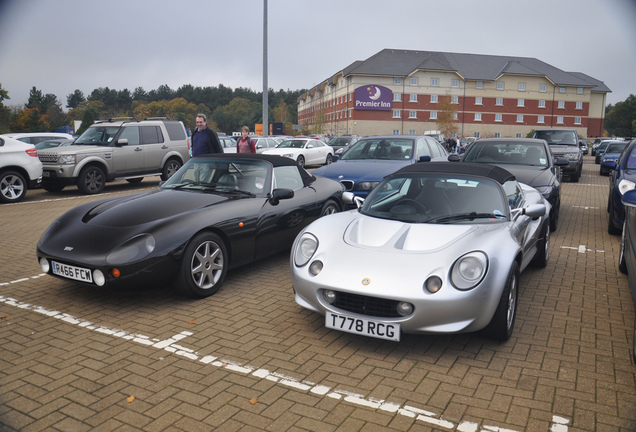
[204, 141]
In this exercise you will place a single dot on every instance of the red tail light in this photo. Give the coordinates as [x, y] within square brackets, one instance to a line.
[32, 152]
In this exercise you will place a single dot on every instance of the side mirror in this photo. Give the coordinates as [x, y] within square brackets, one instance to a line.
[534, 210]
[351, 198]
[561, 161]
[424, 159]
[122, 142]
[281, 194]
[454, 158]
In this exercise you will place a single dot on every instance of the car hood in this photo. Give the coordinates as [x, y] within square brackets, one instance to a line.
[533, 176]
[139, 209]
[282, 151]
[361, 169]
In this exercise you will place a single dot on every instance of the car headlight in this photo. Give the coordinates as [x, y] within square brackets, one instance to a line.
[66, 160]
[469, 270]
[305, 249]
[625, 186]
[132, 250]
[571, 156]
[289, 155]
[544, 190]
[367, 186]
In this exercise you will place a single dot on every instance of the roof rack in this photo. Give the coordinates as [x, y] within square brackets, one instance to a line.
[113, 119]
[157, 118]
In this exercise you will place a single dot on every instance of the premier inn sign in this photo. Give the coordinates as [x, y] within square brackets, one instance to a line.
[373, 97]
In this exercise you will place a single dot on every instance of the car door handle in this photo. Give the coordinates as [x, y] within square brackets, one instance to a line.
[164, 147]
[138, 149]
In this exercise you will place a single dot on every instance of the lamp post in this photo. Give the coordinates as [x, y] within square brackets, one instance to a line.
[265, 86]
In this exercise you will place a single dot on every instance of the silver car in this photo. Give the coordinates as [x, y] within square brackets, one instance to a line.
[436, 247]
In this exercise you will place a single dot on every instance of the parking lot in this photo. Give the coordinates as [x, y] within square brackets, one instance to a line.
[74, 358]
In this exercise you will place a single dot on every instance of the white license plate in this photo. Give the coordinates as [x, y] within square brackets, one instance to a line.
[72, 272]
[363, 326]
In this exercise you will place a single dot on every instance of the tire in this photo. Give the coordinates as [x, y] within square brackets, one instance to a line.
[301, 161]
[329, 159]
[203, 266]
[13, 187]
[575, 178]
[622, 264]
[543, 249]
[554, 218]
[171, 167]
[52, 187]
[503, 321]
[611, 228]
[330, 207]
[91, 180]
[135, 180]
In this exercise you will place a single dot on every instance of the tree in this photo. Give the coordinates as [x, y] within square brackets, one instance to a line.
[619, 119]
[29, 120]
[239, 112]
[4, 94]
[74, 99]
[35, 98]
[446, 121]
[87, 119]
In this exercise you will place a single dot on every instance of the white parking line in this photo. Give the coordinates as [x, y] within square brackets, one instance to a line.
[559, 424]
[583, 249]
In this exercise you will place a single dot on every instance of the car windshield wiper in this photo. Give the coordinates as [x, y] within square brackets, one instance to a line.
[463, 216]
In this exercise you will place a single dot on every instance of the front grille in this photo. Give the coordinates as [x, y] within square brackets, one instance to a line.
[47, 158]
[365, 305]
[348, 184]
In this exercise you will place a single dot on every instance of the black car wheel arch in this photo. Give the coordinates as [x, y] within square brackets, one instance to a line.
[203, 265]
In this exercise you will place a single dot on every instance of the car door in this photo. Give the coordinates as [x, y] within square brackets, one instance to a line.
[128, 158]
[154, 148]
[314, 152]
[280, 221]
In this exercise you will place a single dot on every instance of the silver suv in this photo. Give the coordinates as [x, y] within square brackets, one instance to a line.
[564, 143]
[116, 149]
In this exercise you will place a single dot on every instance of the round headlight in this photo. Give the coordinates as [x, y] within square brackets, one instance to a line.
[44, 265]
[305, 249]
[329, 296]
[98, 278]
[315, 267]
[404, 309]
[469, 270]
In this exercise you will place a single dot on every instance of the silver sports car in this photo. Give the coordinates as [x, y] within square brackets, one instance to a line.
[435, 248]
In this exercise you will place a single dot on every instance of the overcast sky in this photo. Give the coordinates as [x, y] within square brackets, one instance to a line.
[62, 45]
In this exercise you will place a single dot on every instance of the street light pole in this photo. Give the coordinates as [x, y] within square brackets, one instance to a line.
[265, 85]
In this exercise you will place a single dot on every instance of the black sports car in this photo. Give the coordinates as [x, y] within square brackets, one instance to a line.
[216, 213]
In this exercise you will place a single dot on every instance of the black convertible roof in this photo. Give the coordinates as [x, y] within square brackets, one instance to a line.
[494, 172]
[273, 159]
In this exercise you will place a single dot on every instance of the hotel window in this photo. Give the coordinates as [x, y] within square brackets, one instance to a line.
[396, 113]
[455, 99]
[543, 88]
[413, 81]
[498, 117]
[577, 120]
[434, 82]
[455, 83]
[561, 105]
[396, 131]
[521, 102]
[519, 118]
[579, 105]
[560, 120]
[477, 116]
[479, 85]
[433, 115]
[434, 99]
[497, 134]
[478, 100]
[413, 98]
[412, 114]
[541, 119]
[562, 89]
[454, 116]
[476, 134]
[542, 104]
[522, 87]
[397, 81]
[500, 86]
[397, 97]
[499, 101]
[411, 131]
[579, 90]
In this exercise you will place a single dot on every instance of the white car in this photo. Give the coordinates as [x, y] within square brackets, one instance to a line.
[20, 169]
[305, 151]
[37, 137]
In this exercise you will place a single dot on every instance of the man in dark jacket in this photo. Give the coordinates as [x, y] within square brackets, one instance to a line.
[204, 139]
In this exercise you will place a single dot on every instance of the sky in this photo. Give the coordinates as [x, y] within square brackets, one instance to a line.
[63, 45]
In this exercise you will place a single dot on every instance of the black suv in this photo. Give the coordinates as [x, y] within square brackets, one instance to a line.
[564, 143]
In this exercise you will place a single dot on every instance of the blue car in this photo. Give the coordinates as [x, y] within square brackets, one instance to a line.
[622, 179]
[627, 255]
[610, 156]
[369, 160]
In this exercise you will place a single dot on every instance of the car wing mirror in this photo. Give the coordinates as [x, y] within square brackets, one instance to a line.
[561, 161]
[629, 198]
[351, 198]
[281, 194]
[122, 142]
[425, 159]
[454, 158]
[534, 211]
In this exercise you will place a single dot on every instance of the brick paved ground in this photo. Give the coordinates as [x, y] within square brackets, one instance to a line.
[249, 358]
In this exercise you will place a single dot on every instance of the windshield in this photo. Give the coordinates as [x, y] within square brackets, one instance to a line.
[380, 148]
[339, 141]
[507, 153]
[436, 198]
[563, 137]
[222, 176]
[98, 135]
[292, 144]
[615, 148]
